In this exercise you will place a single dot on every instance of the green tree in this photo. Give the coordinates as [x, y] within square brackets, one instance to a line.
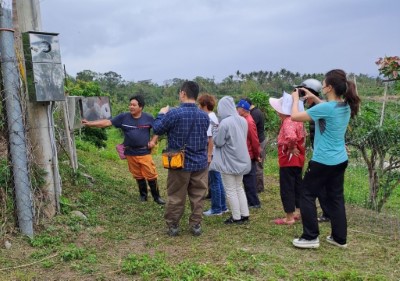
[379, 146]
[87, 75]
[89, 89]
[206, 85]
[249, 86]
[272, 121]
[85, 89]
[110, 81]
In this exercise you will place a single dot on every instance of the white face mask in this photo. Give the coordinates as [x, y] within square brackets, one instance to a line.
[322, 91]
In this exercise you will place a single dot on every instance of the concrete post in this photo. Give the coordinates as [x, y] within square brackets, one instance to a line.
[40, 117]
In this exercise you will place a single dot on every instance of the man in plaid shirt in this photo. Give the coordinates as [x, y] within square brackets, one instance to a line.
[186, 127]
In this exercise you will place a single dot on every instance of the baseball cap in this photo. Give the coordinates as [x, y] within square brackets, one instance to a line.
[243, 104]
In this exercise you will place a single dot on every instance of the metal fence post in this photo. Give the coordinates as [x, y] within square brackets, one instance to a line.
[17, 139]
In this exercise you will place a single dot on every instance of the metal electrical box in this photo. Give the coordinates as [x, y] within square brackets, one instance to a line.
[44, 70]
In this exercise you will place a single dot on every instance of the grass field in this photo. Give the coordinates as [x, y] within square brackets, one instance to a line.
[124, 239]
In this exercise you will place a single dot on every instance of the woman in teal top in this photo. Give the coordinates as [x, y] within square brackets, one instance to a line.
[329, 161]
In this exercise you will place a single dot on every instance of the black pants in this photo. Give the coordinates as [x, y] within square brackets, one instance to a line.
[332, 178]
[322, 198]
[250, 183]
[289, 182]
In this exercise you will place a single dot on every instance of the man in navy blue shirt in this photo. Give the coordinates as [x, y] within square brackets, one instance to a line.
[186, 127]
[136, 126]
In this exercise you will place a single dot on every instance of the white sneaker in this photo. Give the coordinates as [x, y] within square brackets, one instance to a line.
[211, 213]
[306, 244]
[330, 240]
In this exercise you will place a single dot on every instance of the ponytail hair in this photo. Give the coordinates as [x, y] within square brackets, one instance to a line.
[344, 88]
[352, 99]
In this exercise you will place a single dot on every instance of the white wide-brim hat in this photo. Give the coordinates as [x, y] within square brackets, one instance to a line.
[283, 105]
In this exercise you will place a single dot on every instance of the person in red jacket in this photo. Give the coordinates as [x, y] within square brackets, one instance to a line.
[291, 157]
[253, 146]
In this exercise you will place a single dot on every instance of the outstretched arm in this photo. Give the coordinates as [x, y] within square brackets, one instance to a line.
[97, 123]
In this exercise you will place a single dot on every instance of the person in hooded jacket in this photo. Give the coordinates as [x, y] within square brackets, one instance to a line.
[231, 158]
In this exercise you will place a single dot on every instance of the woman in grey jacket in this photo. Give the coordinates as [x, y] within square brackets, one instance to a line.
[231, 157]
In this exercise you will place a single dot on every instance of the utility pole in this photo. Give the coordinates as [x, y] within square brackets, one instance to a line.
[40, 116]
[15, 126]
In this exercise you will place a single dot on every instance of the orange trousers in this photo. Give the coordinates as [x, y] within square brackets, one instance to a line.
[142, 167]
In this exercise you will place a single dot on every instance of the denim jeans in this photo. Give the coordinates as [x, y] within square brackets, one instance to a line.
[218, 202]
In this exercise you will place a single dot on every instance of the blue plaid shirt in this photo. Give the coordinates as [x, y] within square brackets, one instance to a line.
[177, 124]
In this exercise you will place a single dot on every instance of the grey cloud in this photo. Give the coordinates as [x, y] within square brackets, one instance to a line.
[183, 39]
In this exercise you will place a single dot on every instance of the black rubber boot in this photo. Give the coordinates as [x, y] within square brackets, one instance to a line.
[142, 189]
[155, 193]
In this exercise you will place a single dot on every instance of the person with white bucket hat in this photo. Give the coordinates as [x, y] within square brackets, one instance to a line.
[291, 157]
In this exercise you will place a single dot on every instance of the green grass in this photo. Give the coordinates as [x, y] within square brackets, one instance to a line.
[124, 239]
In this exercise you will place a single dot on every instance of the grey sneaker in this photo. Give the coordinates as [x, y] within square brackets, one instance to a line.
[196, 230]
[323, 219]
[306, 244]
[173, 230]
[211, 213]
[330, 240]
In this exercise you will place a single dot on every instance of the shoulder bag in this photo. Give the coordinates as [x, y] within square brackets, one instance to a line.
[175, 158]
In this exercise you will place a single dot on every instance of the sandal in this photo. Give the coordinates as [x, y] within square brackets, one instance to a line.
[297, 217]
[284, 222]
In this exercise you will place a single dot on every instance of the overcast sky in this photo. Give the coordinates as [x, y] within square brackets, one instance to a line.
[166, 39]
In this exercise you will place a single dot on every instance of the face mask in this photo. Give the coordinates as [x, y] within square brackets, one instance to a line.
[323, 93]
